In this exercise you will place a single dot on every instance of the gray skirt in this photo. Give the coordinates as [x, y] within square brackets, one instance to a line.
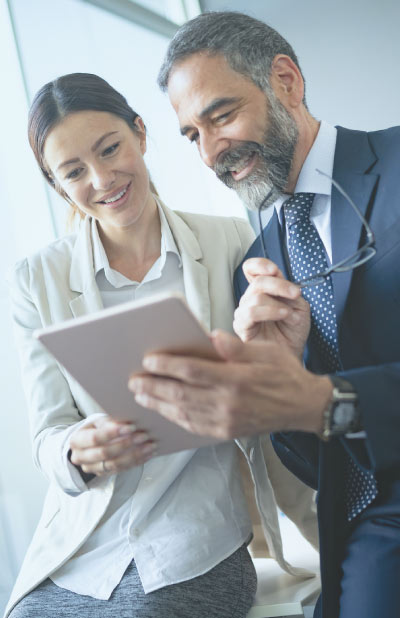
[227, 591]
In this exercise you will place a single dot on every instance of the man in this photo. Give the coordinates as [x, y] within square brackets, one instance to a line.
[332, 389]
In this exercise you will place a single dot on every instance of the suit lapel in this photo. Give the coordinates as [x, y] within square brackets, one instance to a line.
[275, 244]
[353, 159]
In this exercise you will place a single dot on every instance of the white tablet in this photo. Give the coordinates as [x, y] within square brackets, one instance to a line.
[103, 349]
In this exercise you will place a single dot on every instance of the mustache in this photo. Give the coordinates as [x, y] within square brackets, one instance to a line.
[234, 156]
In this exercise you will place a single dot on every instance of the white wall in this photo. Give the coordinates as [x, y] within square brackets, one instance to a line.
[25, 223]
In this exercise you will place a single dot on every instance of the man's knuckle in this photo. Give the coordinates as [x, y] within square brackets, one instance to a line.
[191, 372]
[177, 392]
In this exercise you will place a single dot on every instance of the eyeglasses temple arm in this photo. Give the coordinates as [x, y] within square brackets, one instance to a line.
[370, 234]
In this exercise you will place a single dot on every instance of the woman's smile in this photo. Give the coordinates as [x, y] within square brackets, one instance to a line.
[116, 198]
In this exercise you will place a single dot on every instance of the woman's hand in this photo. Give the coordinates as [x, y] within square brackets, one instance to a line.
[107, 446]
[272, 308]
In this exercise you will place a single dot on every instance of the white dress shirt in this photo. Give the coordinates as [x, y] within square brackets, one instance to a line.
[190, 504]
[320, 157]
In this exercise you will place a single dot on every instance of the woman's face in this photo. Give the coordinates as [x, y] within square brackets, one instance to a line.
[97, 159]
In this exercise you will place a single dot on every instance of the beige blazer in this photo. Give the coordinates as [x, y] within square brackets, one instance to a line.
[57, 284]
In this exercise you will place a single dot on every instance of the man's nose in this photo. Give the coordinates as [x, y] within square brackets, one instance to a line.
[210, 147]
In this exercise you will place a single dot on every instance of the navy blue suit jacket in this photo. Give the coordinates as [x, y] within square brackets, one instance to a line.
[367, 300]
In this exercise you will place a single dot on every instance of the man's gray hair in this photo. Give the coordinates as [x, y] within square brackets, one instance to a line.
[248, 45]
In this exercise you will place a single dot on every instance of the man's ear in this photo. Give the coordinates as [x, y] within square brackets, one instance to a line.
[286, 81]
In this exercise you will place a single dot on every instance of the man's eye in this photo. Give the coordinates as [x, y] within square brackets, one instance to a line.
[74, 173]
[110, 150]
[222, 117]
[193, 137]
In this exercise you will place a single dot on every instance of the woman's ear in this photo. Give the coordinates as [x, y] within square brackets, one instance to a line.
[141, 133]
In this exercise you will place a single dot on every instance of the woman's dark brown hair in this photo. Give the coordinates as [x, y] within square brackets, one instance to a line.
[65, 95]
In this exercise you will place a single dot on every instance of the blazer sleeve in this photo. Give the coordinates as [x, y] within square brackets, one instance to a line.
[53, 415]
[293, 497]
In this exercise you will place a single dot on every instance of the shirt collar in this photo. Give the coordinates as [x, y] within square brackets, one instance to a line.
[100, 259]
[321, 157]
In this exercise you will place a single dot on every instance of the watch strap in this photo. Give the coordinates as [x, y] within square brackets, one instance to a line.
[343, 394]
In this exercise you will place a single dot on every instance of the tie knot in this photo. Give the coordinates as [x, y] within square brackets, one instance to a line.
[297, 208]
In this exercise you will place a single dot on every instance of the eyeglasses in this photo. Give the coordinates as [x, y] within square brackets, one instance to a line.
[361, 256]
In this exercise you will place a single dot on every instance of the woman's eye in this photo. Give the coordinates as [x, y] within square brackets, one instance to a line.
[74, 173]
[110, 150]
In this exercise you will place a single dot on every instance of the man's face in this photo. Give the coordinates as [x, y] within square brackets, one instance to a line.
[247, 138]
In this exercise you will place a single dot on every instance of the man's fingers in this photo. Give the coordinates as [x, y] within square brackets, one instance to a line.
[188, 369]
[260, 307]
[171, 390]
[204, 421]
[254, 267]
[232, 349]
[272, 286]
[171, 411]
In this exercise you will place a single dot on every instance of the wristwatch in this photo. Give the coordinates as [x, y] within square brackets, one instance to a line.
[342, 414]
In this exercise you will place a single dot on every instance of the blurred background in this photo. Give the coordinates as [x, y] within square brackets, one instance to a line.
[349, 53]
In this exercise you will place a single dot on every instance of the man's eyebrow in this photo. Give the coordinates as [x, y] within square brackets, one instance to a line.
[93, 148]
[211, 108]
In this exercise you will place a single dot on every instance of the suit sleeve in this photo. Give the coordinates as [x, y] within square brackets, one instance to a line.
[378, 391]
[53, 415]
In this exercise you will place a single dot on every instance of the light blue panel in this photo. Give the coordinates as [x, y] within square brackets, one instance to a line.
[349, 52]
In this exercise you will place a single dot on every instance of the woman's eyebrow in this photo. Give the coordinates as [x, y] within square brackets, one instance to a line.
[93, 148]
[103, 137]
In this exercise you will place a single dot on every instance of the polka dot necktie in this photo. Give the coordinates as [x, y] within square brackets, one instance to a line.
[307, 258]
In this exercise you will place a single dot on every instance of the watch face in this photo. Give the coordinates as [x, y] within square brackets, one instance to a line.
[343, 414]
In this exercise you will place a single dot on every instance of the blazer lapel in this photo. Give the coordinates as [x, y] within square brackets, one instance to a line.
[353, 159]
[82, 278]
[195, 274]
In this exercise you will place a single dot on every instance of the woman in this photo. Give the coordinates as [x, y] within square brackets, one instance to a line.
[124, 533]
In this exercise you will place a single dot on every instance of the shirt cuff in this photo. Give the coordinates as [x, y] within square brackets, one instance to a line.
[356, 436]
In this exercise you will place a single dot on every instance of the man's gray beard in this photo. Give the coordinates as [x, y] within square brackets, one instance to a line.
[275, 157]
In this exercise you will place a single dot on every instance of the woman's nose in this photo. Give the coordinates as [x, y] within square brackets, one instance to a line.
[102, 178]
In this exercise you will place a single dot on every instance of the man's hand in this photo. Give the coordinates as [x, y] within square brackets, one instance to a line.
[261, 387]
[272, 308]
[107, 446]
